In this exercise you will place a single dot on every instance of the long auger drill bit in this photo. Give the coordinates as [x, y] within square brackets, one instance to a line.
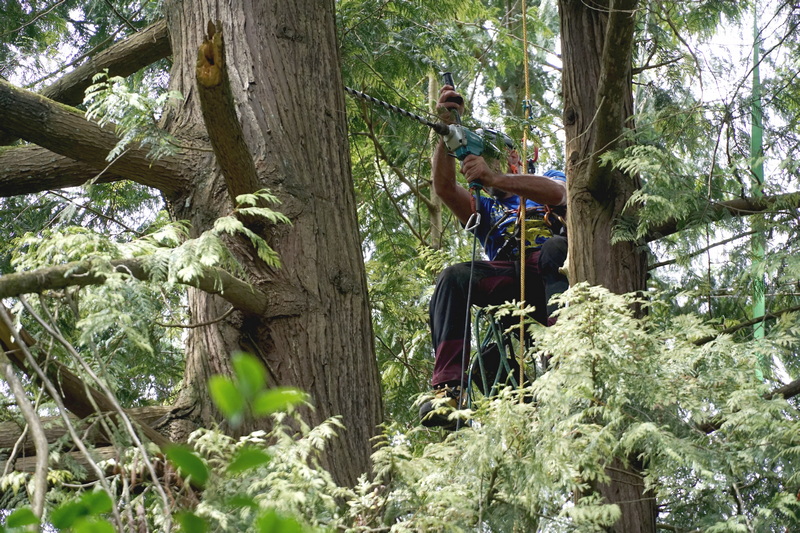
[438, 127]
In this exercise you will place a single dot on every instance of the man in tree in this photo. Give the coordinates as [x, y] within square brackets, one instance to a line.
[494, 281]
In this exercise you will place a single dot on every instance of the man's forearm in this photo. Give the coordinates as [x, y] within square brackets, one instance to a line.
[540, 189]
[443, 170]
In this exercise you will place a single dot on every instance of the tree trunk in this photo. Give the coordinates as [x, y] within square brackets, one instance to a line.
[596, 40]
[283, 64]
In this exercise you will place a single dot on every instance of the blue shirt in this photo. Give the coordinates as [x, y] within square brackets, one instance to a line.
[499, 224]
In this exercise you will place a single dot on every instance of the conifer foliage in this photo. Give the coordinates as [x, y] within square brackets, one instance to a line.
[194, 343]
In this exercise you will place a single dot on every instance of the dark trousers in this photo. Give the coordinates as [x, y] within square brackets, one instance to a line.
[493, 282]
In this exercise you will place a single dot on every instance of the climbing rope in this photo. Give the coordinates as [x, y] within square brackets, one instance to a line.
[522, 200]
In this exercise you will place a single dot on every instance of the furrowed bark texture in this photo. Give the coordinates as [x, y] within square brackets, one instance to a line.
[283, 66]
[596, 39]
[219, 114]
[595, 201]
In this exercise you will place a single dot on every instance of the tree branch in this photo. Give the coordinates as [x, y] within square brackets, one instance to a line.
[738, 208]
[277, 301]
[397, 170]
[790, 390]
[745, 324]
[30, 169]
[11, 432]
[65, 131]
[702, 250]
[77, 396]
[219, 115]
[122, 58]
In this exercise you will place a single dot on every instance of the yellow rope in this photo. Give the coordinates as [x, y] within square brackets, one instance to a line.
[522, 200]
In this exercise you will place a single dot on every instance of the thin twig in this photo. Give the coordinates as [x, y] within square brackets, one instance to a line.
[37, 433]
[34, 19]
[95, 212]
[56, 334]
[62, 411]
[702, 250]
[199, 324]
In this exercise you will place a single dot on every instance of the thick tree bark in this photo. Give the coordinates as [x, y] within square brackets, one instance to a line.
[596, 39]
[596, 196]
[285, 78]
[312, 326]
[219, 114]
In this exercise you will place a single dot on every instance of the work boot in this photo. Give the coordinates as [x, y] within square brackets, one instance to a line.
[436, 411]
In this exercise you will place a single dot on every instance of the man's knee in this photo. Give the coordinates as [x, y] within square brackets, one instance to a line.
[454, 275]
[553, 254]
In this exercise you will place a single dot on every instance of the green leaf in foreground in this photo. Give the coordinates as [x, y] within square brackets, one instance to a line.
[188, 463]
[227, 398]
[272, 522]
[191, 523]
[250, 373]
[277, 399]
[247, 458]
[21, 517]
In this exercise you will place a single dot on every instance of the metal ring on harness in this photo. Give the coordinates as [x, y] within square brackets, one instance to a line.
[473, 222]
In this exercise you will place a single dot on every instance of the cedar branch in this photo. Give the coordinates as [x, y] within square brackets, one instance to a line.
[738, 208]
[30, 169]
[245, 297]
[77, 396]
[122, 58]
[65, 131]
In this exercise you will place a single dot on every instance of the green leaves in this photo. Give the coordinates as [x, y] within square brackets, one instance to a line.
[21, 517]
[189, 464]
[247, 458]
[272, 522]
[111, 101]
[191, 523]
[277, 399]
[247, 394]
[84, 515]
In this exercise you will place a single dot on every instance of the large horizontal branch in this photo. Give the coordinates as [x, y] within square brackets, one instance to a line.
[65, 131]
[11, 432]
[219, 115]
[790, 390]
[27, 464]
[122, 58]
[243, 296]
[30, 169]
[738, 208]
[746, 324]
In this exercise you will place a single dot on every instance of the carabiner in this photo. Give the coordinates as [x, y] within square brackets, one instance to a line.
[473, 222]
